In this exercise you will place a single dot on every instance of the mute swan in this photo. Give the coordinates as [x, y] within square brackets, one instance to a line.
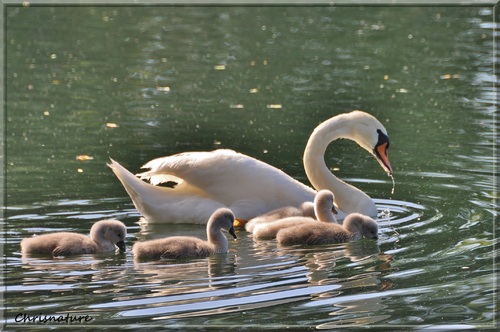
[324, 211]
[189, 246]
[207, 181]
[104, 235]
[355, 226]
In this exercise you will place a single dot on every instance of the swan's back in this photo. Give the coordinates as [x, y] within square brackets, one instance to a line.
[215, 174]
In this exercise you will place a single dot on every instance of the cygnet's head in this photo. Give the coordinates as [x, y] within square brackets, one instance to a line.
[370, 229]
[362, 225]
[324, 200]
[111, 230]
[224, 219]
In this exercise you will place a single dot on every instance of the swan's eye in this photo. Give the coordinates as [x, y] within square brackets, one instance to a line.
[382, 139]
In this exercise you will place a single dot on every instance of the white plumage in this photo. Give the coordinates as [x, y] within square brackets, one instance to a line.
[249, 187]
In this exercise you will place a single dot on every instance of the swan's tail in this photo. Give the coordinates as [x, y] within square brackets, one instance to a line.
[162, 204]
[135, 187]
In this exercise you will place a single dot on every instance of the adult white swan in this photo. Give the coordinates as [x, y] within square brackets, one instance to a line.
[249, 187]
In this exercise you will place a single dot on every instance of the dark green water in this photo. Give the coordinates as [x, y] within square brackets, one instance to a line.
[136, 83]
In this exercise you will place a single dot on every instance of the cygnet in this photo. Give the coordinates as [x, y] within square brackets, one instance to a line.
[324, 211]
[355, 227]
[104, 236]
[176, 247]
[306, 209]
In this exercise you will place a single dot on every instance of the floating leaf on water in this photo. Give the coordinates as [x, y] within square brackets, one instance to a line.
[84, 157]
[111, 125]
[236, 106]
[449, 76]
[402, 90]
[79, 170]
[220, 67]
[46, 113]
[254, 90]
[275, 106]
[163, 88]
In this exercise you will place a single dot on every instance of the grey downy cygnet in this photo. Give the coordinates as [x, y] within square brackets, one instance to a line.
[105, 236]
[176, 247]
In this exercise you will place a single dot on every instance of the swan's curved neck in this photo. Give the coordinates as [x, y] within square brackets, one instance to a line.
[348, 198]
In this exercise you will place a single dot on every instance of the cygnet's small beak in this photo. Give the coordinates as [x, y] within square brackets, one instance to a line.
[231, 231]
[334, 210]
[121, 245]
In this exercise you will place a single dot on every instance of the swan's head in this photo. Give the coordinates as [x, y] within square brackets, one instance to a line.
[371, 135]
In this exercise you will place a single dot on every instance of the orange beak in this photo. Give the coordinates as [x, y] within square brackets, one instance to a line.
[382, 157]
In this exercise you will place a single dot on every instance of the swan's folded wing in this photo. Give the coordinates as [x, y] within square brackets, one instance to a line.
[189, 166]
[229, 176]
[156, 179]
